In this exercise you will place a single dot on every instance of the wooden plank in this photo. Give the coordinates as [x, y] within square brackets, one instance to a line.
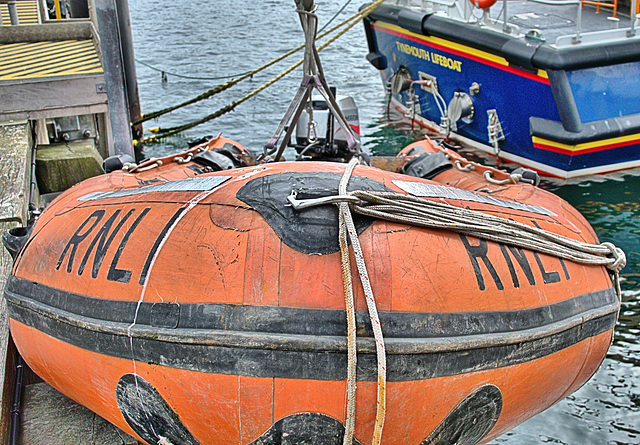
[7, 349]
[15, 159]
[39, 97]
[15, 155]
[60, 166]
[66, 30]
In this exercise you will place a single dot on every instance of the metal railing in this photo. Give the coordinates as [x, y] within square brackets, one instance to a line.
[574, 39]
[13, 12]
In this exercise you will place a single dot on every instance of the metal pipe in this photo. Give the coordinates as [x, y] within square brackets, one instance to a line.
[633, 17]
[505, 25]
[108, 28]
[13, 12]
[567, 108]
[129, 65]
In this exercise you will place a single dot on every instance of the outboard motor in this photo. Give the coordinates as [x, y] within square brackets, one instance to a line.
[319, 137]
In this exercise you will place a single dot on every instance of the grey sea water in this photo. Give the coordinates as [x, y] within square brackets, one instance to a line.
[215, 40]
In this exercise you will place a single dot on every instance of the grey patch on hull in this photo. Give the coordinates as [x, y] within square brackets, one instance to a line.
[424, 190]
[180, 185]
[304, 429]
[148, 414]
[471, 420]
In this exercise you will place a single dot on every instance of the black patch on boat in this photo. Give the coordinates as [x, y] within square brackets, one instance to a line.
[304, 429]
[313, 230]
[148, 414]
[470, 420]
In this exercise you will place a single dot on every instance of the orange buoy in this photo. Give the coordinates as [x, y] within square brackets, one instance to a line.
[200, 307]
[483, 4]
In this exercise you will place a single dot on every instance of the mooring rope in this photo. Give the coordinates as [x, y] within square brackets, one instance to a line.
[185, 76]
[347, 24]
[347, 224]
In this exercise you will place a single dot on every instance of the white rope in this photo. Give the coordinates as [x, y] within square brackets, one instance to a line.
[352, 357]
[347, 224]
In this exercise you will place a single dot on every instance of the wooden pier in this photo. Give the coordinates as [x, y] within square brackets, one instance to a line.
[59, 96]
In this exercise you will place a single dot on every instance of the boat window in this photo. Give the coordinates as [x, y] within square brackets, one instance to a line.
[606, 92]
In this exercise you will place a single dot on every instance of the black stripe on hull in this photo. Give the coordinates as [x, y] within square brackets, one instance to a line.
[315, 357]
[297, 321]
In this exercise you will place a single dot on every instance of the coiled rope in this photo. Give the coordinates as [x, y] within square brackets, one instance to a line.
[423, 213]
[347, 24]
[415, 211]
[347, 226]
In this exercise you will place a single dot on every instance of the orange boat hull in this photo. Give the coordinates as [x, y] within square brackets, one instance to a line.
[199, 308]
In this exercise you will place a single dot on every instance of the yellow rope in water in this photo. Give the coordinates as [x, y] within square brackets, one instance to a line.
[347, 24]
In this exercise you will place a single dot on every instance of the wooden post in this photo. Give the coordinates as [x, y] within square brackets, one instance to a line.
[15, 145]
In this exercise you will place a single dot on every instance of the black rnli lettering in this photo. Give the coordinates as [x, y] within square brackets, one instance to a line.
[564, 268]
[78, 237]
[550, 277]
[547, 277]
[101, 242]
[480, 251]
[520, 257]
[123, 275]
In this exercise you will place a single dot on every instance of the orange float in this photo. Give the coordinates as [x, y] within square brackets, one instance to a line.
[188, 306]
[483, 4]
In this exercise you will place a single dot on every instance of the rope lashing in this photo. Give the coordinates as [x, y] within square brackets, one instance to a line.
[347, 226]
[348, 23]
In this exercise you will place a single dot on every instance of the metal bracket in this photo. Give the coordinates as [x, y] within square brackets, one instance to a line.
[301, 204]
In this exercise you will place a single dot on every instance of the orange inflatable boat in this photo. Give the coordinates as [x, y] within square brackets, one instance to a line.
[192, 306]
